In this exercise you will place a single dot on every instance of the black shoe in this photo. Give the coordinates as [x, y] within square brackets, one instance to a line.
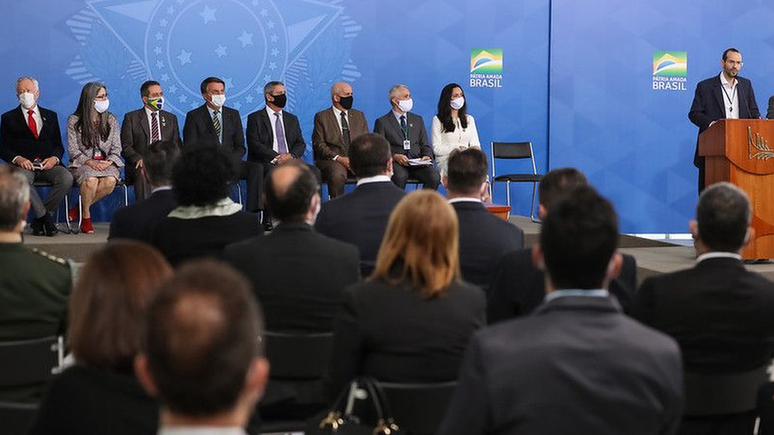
[267, 226]
[49, 226]
[38, 227]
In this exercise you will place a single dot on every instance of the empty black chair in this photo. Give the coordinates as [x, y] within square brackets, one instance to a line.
[418, 409]
[515, 151]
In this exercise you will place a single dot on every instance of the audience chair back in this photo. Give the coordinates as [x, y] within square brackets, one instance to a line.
[515, 151]
[418, 408]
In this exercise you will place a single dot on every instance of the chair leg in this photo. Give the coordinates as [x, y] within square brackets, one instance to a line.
[532, 204]
[67, 213]
[508, 193]
[80, 211]
[126, 195]
[239, 194]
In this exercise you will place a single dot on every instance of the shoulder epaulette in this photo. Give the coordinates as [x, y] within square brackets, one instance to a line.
[53, 258]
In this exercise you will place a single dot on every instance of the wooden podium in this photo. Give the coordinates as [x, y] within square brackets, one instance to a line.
[741, 151]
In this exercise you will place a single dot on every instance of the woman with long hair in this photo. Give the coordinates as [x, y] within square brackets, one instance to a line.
[94, 144]
[453, 128]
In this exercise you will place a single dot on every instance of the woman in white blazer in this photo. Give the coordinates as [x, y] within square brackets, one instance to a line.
[452, 126]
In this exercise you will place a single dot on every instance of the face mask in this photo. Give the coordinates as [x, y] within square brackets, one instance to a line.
[156, 103]
[346, 102]
[457, 103]
[27, 100]
[406, 105]
[219, 100]
[280, 100]
[101, 106]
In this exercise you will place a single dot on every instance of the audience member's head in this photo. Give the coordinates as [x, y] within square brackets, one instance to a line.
[201, 351]
[158, 162]
[341, 95]
[466, 174]
[14, 199]
[370, 155]
[555, 184]
[292, 192]
[420, 244]
[202, 177]
[723, 218]
[109, 302]
[578, 240]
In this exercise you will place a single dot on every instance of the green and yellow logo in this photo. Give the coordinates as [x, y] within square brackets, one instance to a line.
[670, 63]
[486, 61]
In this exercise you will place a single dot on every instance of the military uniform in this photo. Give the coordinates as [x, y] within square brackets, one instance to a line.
[34, 289]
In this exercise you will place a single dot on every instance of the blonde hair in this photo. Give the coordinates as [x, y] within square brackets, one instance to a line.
[420, 244]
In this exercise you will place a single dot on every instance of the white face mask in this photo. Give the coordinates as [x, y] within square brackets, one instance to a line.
[406, 105]
[219, 100]
[457, 103]
[27, 100]
[101, 106]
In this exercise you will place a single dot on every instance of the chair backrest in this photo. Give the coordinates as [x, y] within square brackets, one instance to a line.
[17, 418]
[723, 393]
[30, 361]
[298, 356]
[512, 151]
[418, 408]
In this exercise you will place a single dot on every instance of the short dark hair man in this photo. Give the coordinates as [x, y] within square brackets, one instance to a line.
[578, 365]
[142, 127]
[360, 217]
[30, 139]
[35, 285]
[518, 286]
[719, 312]
[737, 95]
[214, 125]
[136, 221]
[201, 350]
[483, 238]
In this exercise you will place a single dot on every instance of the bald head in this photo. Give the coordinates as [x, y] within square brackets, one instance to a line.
[291, 190]
[341, 96]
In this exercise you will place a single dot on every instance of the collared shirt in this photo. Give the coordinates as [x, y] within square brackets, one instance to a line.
[160, 188]
[709, 255]
[201, 430]
[464, 199]
[273, 122]
[148, 113]
[224, 207]
[591, 293]
[35, 115]
[220, 119]
[374, 179]
[338, 113]
[732, 93]
[398, 115]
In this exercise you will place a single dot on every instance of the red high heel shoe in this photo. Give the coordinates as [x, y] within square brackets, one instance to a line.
[86, 227]
[72, 214]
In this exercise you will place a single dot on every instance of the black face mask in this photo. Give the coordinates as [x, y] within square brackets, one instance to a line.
[346, 102]
[280, 100]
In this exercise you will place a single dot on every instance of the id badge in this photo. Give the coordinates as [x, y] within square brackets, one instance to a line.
[407, 144]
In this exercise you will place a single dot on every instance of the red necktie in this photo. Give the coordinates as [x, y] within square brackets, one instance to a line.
[31, 122]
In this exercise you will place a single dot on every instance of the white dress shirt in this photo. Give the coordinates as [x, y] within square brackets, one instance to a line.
[730, 92]
[709, 255]
[35, 115]
[273, 121]
[148, 113]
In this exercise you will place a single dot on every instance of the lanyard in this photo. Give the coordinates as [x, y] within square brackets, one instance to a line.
[730, 98]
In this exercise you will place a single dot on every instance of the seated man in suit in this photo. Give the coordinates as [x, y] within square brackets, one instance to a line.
[297, 274]
[407, 136]
[518, 286]
[215, 125]
[30, 139]
[719, 312]
[484, 238]
[143, 127]
[360, 217]
[201, 356]
[578, 365]
[35, 285]
[136, 221]
[273, 135]
[334, 130]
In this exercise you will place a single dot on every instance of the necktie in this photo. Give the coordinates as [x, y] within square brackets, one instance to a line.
[155, 127]
[216, 124]
[403, 126]
[345, 130]
[32, 124]
[282, 146]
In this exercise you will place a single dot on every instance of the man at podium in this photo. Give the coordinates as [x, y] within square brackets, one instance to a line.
[727, 96]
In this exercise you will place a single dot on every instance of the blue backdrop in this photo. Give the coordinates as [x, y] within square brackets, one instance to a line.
[576, 77]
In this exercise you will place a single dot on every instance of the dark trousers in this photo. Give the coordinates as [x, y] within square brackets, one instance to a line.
[427, 175]
[334, 174]
[726, 424]
[142, 188]
[252, 173]
[61, 180]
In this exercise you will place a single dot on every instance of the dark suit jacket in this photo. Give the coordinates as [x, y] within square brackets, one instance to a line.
[136, 134]
[260, 136]
[389, 127]
[327, 141]
[484, 240]
[199, 131]
[708, 105]
[392, 333]
[770, 111]
[518, 287]
[719, 313]
[16, 138]
[576, 366]
[297, 275]
[136, 221]
[360, 217]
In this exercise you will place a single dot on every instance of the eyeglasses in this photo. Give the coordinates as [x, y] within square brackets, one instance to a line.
[735, 62]
[101, 97]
